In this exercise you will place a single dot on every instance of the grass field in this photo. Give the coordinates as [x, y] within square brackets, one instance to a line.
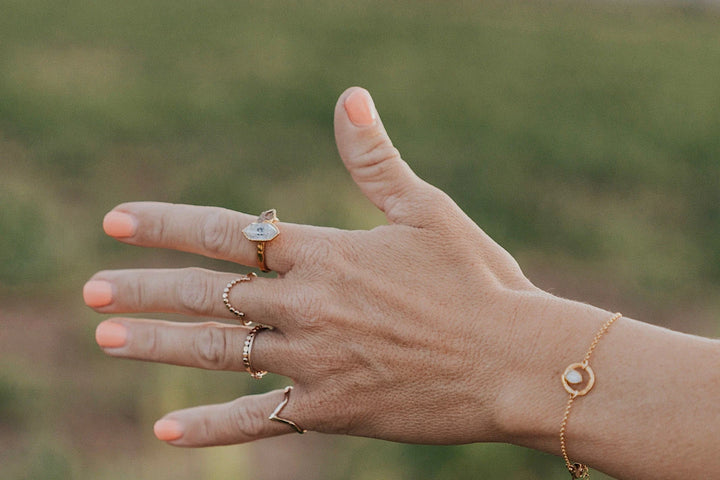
[583, 136]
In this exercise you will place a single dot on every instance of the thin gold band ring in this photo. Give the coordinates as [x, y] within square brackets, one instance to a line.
[274, 415]
[247, 353]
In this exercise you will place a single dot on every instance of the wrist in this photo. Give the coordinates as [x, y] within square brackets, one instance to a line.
[649, 410]
[531, 405]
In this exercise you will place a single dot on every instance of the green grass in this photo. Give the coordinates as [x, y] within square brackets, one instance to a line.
[583, 136]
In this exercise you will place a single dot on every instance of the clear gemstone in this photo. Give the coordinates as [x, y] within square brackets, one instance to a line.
[573, 377]
[261, 232]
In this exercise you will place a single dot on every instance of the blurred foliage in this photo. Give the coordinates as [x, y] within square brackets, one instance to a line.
[24, 237]
[583, 136]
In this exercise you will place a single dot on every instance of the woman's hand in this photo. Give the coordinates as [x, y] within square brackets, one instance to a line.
[423, 330]
[411, 331]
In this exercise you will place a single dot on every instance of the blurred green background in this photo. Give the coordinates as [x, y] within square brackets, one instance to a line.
[583, 136]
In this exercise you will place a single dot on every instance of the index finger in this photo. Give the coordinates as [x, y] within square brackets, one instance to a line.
[210, 231]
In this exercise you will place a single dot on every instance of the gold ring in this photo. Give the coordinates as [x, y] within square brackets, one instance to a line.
[274, 415]
[247, 351]
[226, 297]
[261, 231]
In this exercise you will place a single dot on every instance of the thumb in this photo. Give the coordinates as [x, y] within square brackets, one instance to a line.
[375, 164]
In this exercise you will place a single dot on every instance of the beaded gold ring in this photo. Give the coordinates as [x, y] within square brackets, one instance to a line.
[226, 297]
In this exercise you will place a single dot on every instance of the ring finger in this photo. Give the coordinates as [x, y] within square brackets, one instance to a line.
[209, 345]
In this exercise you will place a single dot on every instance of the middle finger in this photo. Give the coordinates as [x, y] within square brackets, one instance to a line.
[189, 291]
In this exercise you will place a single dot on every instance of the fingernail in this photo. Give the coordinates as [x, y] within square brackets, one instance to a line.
[168, 430]
[97, 293]
[360, 109]
[119, 225]
[110, 335]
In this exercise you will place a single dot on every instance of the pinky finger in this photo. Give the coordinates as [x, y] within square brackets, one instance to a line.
[240, 421]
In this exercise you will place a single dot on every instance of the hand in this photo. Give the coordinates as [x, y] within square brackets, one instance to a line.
[411, 331]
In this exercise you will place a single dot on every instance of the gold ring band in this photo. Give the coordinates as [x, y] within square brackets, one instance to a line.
[261, 257]
[274, 415]
[262, 231]
[226, 297]
[247, 352]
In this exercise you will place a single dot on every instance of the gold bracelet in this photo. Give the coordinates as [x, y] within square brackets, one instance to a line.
[578, 379]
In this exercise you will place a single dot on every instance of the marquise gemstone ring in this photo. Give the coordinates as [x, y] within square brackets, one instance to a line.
[262, 231]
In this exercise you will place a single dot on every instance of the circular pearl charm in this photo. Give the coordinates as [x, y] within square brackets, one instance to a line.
[576, 375]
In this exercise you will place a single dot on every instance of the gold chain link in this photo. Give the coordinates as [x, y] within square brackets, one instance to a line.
[579, 470]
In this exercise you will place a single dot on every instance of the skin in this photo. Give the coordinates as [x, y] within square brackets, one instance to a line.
[426, 316]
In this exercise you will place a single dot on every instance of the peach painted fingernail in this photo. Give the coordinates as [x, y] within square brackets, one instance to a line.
[97, 293]
[119, 225]
[110, 335]
[360, 109]
[168, 430]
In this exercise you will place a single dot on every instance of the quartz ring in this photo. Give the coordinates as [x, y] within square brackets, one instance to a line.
[261, 231]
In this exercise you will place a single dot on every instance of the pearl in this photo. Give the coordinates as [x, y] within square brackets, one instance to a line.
[573, 377]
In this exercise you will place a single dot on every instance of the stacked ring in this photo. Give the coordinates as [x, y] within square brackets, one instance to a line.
[274, 415]
[247, 352]
[226, 297]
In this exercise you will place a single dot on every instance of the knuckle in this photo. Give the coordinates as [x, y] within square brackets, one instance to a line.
[195, 290]
[319, 253]
[207, 430]
[382, 149]
[434, 196]
[308, 308]
[249, 422]
[151, 343]
[337, 421]
[134, 294]
[341, 425]
[159, 231]
[379, 158]
[218, 233]
[210, 345]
